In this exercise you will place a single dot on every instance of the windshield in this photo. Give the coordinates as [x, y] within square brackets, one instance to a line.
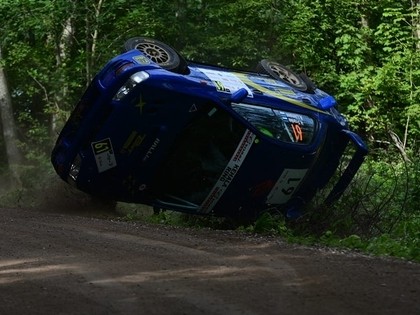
[278, 124]
[198, 158]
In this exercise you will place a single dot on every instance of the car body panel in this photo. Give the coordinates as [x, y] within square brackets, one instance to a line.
[179, 142]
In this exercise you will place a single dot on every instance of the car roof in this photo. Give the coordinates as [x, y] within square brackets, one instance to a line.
[262, 89]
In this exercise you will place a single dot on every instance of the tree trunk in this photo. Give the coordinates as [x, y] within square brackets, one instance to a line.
[14, 157]
[415, 6]
[62, 49]
[92, 33]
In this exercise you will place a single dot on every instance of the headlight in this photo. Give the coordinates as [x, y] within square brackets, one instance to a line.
[131, 83]
[75, 168]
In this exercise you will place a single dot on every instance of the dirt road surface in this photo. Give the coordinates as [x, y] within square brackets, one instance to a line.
[55, 263]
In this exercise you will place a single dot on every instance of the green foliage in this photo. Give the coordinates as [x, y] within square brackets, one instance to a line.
[366, 53]
[268, 223]
[380, 89]
[406, 245]
[381, 205]
[189, 220]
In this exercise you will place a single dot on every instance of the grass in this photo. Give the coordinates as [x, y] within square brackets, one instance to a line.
[401, 245]
[378, 215]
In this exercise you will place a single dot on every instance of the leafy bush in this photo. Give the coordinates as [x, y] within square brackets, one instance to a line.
[378, 213]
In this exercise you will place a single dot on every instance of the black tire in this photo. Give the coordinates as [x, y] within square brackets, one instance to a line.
[160, 53]
[309, 83]
[279, 72]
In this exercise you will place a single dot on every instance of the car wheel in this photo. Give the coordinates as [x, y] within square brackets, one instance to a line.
[282, 73]
[158, 52]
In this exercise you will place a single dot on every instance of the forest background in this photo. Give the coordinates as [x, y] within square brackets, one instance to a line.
[364, 52]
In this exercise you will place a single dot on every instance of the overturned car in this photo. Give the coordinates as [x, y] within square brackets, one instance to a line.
[155, 129]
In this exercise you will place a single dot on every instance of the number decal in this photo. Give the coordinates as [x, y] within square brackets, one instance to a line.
[288, 191]
[297, 132]
[104, 155]
[286, 186]
[292, 183]
[101, 147]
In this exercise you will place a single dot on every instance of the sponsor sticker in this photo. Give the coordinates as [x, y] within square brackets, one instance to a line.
[152, 149]
[226, 81]
[133, 141]
[229, 172]
[104, 155]
[143, 60]
[286, 185]
[277, 92]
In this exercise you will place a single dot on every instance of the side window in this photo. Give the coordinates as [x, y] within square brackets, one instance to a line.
[280, 125]
[198, 157]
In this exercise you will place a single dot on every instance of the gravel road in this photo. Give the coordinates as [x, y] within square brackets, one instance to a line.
[56, 263]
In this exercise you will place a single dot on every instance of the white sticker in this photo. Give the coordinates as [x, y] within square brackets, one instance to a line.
[229, 172]
[286, 185]
[226, 81]
[104, 155]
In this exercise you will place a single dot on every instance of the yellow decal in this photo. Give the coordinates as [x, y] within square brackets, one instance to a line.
[132, 142]
[101, 146]
[141, 104]
[276, 94]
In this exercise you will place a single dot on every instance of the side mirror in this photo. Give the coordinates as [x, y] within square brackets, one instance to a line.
[327, 102]
[239, 95]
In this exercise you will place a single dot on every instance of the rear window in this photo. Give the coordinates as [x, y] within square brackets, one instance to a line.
[278, 124]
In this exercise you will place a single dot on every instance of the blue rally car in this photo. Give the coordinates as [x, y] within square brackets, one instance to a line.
[155, 129]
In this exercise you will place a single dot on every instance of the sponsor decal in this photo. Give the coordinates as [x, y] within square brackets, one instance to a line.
[152, 149]
[140, 104]
[221, 87]
[142, 60]
[286, 185]
[133, 141]
[211, 200]
[229, 172]
[104, 155]
[276, 93]
[244, 146]
[226, 82]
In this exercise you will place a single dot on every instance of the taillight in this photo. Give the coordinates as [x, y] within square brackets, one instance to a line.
[114, 72]
[123, 67]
